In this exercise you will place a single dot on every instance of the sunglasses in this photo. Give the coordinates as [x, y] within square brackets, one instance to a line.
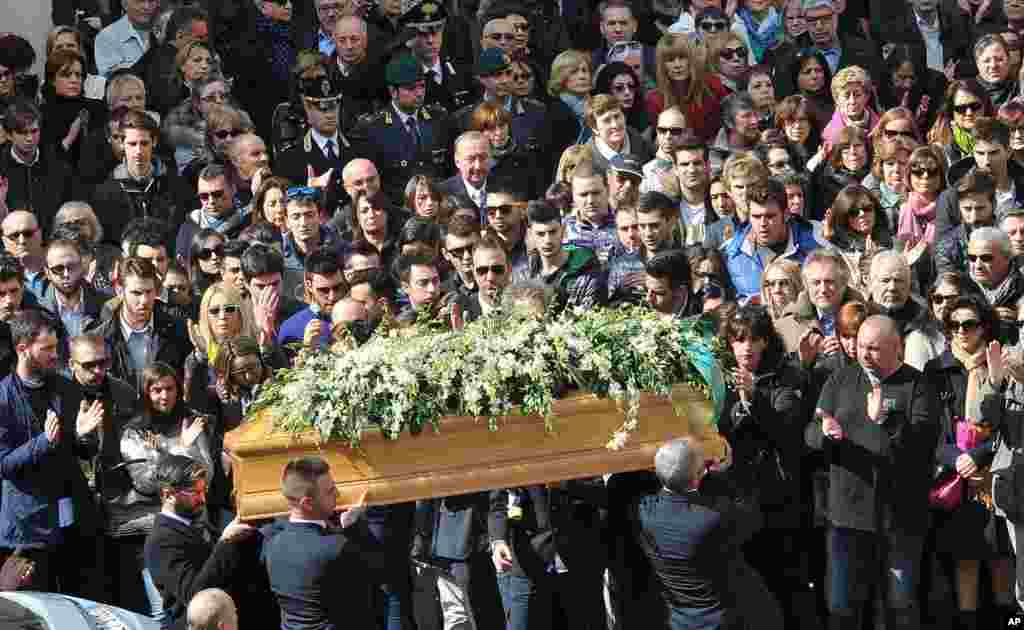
[968, 325]
[91, 366]
[985, 258]
[924, 172]
[740, 53]
[21, 234]
[211, 194]
[713, 26]
[459, 252]
[506, 209]
[60, 270]
[525, 76]
[207, 253]
[324, 104]
[675, 132]
[223, 134]
[777, 284]
[303, 193]
[227, 309]
[973, 106]
[938, 299]
[894, 133]
[498, 270]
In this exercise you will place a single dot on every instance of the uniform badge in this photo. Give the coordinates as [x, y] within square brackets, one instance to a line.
[428, 9]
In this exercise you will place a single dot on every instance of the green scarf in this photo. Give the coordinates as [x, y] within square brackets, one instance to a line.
[964, 140]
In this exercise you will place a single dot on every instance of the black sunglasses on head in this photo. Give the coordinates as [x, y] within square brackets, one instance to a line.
[713, 26]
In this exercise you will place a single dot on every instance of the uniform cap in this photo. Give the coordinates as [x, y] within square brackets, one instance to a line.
[403, 70]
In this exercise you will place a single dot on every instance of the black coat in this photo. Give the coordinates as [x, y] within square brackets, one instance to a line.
[41, 188]
[183, 563]
[170, 343]
[293, 164]
[879, 473]
[117, 201]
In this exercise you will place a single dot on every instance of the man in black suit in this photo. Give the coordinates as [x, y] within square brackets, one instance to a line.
[179, 557]
[324, 147]
[473, 161]
[317, 550]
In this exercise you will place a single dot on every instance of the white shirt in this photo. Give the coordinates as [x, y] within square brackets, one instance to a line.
[14, 154]
[932, 42]
[436, 69]
[127, 330]
[1006, 198]
[321, 141]
[607, 152]
[478, 195]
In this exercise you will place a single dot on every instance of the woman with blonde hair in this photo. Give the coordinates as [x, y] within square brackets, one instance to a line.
[223, 315]
[574, 157]
[851, 88]
[684, 82]
[568, 86]
[729, 58]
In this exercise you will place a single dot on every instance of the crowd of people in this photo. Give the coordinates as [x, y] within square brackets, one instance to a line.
[195, 194]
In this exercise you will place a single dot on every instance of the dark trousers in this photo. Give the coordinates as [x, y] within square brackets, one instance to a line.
[74, 567]
[125, 555]
[863, 562]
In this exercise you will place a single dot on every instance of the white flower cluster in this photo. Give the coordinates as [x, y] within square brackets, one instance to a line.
[495, 367]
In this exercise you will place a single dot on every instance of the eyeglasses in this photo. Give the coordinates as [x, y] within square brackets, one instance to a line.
[329, 9]
[968, 325]
[216, 97]
[223, 134]
[207, 253]
[973, 106]
[713, 26]
[211, 194]
[21, 234]
[303, 193]
[854, 213]
[938, 299]
[739, 53]
[483, 270]
[459, 252]
[98, 364]
[924, 172]
[985, 258]
[334, 288]
[227, 309]
[68, 269]
[896, 133]
[324, 104]
[777, 284]
[675, 132]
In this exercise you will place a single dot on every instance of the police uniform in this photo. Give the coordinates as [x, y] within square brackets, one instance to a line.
[383, 138]
[456, 87]
[293, 162]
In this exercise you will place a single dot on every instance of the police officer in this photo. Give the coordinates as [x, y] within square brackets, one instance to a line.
[323, 147]
[493, 72]
[406, 137]
[448, 83]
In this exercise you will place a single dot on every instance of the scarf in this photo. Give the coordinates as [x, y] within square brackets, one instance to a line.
[763, 36]
[917, 219]
[577, 105]
[889, 198]
[963, 139]
[977, 374]
[223, 225]
[998, 92]
[499, 152]
[867, 123]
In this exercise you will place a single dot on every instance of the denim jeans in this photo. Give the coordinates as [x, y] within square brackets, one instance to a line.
[390, 608]
[859, 560]
[516, 593]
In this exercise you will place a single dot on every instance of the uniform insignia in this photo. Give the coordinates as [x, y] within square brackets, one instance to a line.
[387, 118]
[424, 113]
[307, 142]
[428, 9]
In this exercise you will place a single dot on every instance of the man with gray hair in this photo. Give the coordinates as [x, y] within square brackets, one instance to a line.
[693, 541]
[1013, 225]
[988, 262]
[889, 284]
[473, 154]
[875, 421]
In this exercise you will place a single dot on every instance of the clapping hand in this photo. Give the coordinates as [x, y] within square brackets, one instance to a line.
[236, 530]
[318, 181]
[190, 432]
[875, 402]
[89, 417]
[744, 382]
[501, 555]
[994, 355]
[830, 426]
[311, 335]
[52, 427]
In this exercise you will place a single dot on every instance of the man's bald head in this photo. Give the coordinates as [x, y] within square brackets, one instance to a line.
[212, 609]
[879, 347]
[360, 175]
[18, 217]
[882, 325]
[348, 310]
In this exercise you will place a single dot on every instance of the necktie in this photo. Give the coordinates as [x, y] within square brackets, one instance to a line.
[329, 150]
[414, 130]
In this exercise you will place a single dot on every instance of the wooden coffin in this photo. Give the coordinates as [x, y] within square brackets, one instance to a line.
[465, 456]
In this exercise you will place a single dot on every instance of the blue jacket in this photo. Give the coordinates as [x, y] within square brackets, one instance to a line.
[36, 473]
[745, 264]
